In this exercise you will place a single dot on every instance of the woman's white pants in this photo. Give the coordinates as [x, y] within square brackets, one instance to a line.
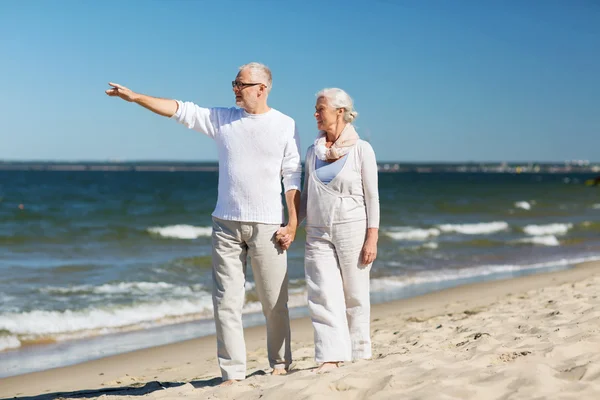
[338, 291]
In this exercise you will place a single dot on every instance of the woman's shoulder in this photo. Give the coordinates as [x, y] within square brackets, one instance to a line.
[362, 146]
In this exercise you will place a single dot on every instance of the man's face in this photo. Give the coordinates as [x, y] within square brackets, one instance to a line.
[246, 89]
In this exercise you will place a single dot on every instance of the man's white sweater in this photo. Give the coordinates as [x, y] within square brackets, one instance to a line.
[255, 152]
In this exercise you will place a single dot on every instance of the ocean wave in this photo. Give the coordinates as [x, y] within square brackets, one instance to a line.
[548, 240]
[104, 320]
[38, 325]
[483, 228]
[550, 229]
[5, 298]
[181, 231]
[124, 288]
[596, 206]
[409, 233]
[587, 225]
[8, 342]
[420, 234]
[437, 276]
[17, 329]
[424, 246]
[523, 204]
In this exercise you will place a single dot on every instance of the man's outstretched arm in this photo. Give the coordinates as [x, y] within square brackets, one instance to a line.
[164, 107]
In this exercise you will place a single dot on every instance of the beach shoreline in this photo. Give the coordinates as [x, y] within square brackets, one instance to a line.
[175, 365]
[63, 353]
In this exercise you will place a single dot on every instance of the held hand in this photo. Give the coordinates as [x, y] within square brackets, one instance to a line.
[369, 252]
[121, 91]
[285, 236]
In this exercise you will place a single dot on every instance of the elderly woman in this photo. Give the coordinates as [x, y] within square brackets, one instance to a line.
[340, 201]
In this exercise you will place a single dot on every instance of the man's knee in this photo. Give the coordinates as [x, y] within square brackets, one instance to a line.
[275, 306]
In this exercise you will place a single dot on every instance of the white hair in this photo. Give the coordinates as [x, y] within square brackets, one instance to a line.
[337, 98]
[260, 72]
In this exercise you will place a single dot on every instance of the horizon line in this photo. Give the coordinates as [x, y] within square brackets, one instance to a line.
[116, 161]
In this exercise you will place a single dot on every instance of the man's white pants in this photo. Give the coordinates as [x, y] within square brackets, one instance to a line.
[338, 291]
[233, 241]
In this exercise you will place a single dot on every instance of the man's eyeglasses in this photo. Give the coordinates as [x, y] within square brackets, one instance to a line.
[241, 85]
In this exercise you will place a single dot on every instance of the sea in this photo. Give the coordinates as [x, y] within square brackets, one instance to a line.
[96, 262]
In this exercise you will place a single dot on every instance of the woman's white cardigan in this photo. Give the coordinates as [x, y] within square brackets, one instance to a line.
[351, 196]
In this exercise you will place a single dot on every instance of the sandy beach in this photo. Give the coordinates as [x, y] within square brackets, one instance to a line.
[532, 337]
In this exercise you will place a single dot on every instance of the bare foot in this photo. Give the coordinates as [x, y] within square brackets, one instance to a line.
[327, 367]
[279, 371]
[229, 382]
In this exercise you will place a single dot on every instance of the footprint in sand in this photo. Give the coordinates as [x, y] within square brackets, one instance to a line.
[508, 357]
[573, 374]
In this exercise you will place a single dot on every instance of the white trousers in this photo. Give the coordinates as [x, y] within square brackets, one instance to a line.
[338, 291]
[233, 241]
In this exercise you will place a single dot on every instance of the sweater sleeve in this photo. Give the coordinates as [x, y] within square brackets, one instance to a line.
[204, 120]
[370, 185]
[291, 167]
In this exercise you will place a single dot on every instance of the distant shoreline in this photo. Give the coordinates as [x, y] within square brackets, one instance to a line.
[396, 167]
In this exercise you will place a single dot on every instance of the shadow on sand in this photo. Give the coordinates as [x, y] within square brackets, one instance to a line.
[137, 390]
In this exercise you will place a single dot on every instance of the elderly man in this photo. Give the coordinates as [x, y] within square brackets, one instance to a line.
[257, 147]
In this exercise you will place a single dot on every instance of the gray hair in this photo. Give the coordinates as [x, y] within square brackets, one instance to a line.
[260, 72]
[337, 98]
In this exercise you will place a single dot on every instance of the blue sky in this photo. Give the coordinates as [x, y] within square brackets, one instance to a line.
[432, 80]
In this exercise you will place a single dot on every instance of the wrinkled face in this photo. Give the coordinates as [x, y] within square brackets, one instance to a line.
[247, 91]
[327, 117]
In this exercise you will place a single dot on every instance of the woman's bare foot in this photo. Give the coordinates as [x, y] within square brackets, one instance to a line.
[279, 371]
[326, 367]
[229, 382]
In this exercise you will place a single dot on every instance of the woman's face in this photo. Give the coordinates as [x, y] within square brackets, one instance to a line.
[326, 116]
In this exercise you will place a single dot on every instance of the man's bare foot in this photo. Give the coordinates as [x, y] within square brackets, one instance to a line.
[279, 371]
[326, 367]
[229, 382]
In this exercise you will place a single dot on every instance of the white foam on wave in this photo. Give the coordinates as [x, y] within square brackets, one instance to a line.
[420, 234]
[5, 302]
[548, 240]
[549, 229]
[181, 231]
[409, 233]
[83, 323]
[436, 276]
[128, 288]
[39, 322]
[483, 228]
[596, 206]
[523, 204]
[426, 245]
[69, 324]
[9, 342]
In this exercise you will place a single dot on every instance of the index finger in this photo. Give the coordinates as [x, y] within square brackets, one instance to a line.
[115, 85]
